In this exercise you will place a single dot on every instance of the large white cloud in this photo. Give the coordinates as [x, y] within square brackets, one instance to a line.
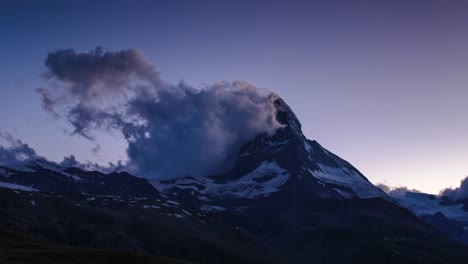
[172, 130]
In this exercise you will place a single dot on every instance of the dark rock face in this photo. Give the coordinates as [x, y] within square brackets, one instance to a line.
[450, 227]
[286, 200]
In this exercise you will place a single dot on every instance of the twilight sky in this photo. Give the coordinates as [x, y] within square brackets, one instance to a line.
[383, 84]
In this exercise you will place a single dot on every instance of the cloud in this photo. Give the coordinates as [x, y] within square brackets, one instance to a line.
[14, 153]
[71, 161]
[97, 73]
[395, 190]
[458, 193]
[96, 149]
[385, 188]
[94, 85]
[20, 156]
[171, 130]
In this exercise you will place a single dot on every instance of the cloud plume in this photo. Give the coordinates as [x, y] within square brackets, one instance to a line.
[70, 161]
[395, 190]
[18, 155]
[171, 130]
[13, 152]
[458, 193]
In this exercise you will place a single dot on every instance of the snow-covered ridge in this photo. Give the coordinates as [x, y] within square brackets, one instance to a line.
[339, 174]
[17, 187]
[35, 165]
[350, 179]
[263, 181]
[51, 166]
[426, 204]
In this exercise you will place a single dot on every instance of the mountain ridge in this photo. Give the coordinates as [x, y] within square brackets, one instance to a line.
[286, 200]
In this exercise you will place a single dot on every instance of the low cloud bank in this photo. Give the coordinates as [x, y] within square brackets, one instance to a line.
[15, 153]
[458, 193]
[395, 191]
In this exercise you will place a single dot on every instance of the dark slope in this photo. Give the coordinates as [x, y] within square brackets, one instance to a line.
[19, 249]
[101, 221]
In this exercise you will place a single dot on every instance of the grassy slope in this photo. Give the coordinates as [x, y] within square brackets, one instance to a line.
[16, 248]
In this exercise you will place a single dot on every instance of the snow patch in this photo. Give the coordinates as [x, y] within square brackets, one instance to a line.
[150, 206]
[277, 143]
[308, 147]
[186, 212]
[17, 187]
[264, 180]
[179, 216]
[345, 177]
[343, 193]
[208, 208]
[56, 168]
[252, 185]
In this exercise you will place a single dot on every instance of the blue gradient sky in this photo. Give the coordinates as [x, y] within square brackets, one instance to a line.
[383, 84]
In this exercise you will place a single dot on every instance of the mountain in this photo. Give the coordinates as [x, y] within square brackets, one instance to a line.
[286, 200]
[449, 217]
[285, 161]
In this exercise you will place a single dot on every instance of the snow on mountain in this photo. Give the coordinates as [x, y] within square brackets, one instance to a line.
[37, 164]
[17, 187]
[22, 166]
[427, 204]
[341, 173]
[52, 166]
[450, 218]
[346, 178]
[263, 181]
[283, 162]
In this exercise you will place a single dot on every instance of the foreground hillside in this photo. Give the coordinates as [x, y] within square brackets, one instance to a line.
[353, 231]
[19, 249]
